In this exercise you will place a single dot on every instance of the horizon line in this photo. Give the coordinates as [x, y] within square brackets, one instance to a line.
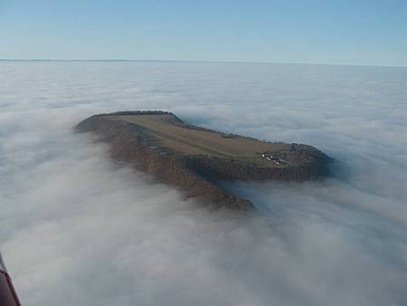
[194, 61]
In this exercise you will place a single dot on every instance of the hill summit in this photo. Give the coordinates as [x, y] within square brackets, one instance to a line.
[195, 159]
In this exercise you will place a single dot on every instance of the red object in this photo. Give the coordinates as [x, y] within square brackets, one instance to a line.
[8, 296]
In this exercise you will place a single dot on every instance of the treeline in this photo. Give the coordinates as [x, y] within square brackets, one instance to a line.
[130, 113]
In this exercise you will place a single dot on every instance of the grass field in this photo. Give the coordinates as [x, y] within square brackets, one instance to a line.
[195, 141]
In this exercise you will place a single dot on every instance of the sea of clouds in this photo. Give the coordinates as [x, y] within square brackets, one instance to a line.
[80, 229]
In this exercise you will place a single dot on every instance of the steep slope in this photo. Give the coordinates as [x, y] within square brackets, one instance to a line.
[194, 159]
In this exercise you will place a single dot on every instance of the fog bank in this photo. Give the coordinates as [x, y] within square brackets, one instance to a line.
[80, 229]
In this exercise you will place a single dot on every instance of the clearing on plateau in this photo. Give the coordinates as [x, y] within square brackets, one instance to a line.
[194, 158]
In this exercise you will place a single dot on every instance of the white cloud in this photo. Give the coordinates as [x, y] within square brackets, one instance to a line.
[79, 229]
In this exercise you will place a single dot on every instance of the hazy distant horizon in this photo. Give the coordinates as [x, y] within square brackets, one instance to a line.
[194, 61]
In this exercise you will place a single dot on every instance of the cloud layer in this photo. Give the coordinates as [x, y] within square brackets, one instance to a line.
[79, 229]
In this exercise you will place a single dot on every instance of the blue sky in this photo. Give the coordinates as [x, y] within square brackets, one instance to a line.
[341, 32]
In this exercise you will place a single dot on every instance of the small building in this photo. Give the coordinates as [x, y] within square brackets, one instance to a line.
[272, 158]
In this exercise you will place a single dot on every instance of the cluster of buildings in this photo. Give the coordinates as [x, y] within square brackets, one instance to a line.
[274, 159]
